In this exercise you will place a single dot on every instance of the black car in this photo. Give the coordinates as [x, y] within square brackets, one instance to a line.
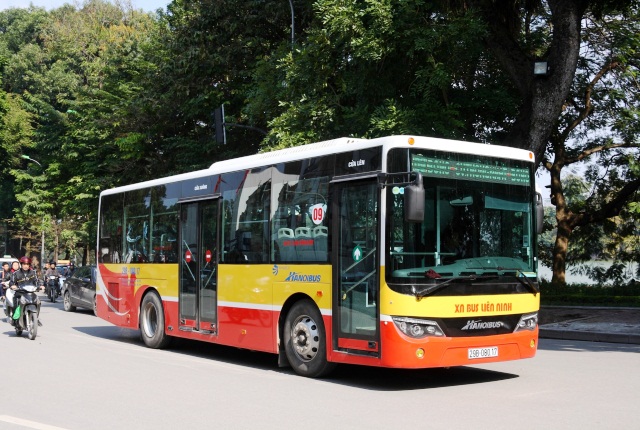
[80, 289]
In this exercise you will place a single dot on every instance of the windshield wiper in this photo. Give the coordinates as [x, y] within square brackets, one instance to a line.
[437, 287]
[526, 282]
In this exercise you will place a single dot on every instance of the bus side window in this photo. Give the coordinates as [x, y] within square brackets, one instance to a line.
[299, 223]
[246, 200]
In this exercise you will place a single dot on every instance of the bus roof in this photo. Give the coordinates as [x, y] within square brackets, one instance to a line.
[343, 144]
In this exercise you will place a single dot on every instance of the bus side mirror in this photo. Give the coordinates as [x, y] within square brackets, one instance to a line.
[539, 213]
[414, 201]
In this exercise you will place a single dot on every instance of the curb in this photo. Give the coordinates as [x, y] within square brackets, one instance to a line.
[589, 336]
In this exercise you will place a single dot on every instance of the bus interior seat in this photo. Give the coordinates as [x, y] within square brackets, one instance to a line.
[320, 230]
[303, 232]
[305, 248]
[285, 244]
[285, 232]
[320, 239]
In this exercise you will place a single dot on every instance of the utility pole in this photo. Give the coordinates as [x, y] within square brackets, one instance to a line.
[26, 157]
[292, 25]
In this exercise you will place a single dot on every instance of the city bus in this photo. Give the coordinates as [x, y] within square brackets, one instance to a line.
[402, 252]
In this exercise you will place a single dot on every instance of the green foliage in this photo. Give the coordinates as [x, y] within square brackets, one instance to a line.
[589, 295]
[380, 67]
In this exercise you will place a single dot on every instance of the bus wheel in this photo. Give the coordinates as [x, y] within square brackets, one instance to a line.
[305, 340]
[152, 322]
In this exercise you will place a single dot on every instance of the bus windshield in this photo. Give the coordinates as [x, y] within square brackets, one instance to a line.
[478, 221]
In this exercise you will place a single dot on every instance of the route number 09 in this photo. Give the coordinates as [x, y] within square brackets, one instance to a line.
[318, 214]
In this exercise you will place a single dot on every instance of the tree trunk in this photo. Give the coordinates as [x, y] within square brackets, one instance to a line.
[560, 251]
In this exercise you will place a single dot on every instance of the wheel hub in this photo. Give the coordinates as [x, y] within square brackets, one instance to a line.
[305, 338]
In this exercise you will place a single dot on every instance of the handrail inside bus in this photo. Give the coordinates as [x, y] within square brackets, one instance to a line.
[367, 276]
[360, 261]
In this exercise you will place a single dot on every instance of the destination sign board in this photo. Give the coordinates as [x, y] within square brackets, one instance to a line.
[485, 170]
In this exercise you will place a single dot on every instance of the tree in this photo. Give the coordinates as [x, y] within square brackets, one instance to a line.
[583, 107]
[384, 67]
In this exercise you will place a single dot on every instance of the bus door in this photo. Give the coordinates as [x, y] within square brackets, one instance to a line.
[198, 266]
[355, 271]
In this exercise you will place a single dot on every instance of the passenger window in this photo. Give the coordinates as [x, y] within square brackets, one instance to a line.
[110, 248]
[137, 209]
[245, 216]
[164, 232]
[300, 231]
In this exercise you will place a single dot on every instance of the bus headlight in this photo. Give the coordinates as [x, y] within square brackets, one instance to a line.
[527, 322]
[417, 328]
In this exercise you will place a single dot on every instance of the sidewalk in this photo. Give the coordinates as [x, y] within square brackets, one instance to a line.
[595, 324]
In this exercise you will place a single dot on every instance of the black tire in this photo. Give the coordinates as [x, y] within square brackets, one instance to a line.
[32, 318]
[52, 295]
[95, 305]
[152, 322]
[305, 340]
[66, 302]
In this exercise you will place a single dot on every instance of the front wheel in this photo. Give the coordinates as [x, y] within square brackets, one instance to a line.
[32, 322]
[152, 322]
[305, 340]
[66, 302]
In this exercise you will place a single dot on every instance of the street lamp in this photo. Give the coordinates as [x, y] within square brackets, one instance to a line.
[26, 157]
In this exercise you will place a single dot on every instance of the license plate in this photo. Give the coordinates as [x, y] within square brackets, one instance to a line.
[491, 351]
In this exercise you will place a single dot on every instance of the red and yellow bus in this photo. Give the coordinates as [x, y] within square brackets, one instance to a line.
[404, 252]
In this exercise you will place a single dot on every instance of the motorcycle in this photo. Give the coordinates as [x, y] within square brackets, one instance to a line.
[53, 288]
[27, 310]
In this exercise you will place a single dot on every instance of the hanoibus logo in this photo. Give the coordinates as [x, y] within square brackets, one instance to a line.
[297, 277]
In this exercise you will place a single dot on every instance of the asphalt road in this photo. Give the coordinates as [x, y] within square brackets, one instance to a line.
[82, 373]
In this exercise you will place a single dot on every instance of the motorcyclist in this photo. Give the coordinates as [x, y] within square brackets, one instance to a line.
[45, 267]
[24, 276]
[5, 278]
[51, 271]
[70, 269]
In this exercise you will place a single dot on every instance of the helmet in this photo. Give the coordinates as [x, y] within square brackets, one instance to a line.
[25, 260]
[52, 262]
[71, 264]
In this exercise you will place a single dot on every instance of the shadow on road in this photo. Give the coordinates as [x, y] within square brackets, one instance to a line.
[369, 378]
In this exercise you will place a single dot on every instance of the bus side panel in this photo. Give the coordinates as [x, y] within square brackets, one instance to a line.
[245, 307]
[120, 288]
[115, 295]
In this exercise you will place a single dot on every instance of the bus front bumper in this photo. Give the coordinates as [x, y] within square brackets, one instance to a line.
[401, 351]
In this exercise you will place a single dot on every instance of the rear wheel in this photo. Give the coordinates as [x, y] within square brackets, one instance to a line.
[32, 321]
[152, 322]
[305, 340]
[66, 301]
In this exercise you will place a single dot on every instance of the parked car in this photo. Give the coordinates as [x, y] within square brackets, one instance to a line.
[79, 289]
